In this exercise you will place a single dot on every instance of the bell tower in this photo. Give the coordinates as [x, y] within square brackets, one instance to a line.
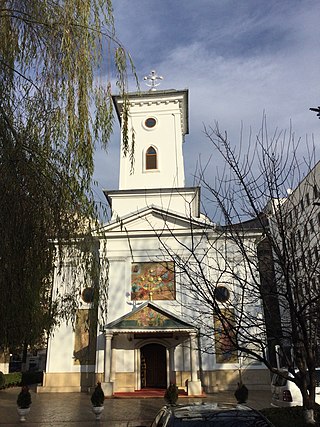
[159, 121]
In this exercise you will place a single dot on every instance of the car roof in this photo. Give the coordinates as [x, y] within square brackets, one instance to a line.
[215, 414]
[208, 410]
[285, 371]
[207, 407]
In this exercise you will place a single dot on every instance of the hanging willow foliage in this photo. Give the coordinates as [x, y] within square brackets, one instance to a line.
[52, 113]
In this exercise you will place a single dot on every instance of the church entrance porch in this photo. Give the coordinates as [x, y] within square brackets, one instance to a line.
[144, 361]
[153, 366]
[150, 348]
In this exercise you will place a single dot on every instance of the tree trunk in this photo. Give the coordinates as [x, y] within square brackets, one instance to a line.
[24, 357]
[308, 399]
[308, 415]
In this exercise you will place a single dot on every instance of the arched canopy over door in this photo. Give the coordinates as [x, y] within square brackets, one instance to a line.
[153, 366]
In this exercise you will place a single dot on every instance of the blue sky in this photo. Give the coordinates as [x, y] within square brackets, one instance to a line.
[238, 58]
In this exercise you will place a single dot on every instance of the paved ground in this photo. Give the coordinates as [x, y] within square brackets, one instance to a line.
[73, 409]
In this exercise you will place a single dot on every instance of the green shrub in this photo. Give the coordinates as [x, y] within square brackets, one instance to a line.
[171, 394]
[241, 393]
[24, 398]
[20, 378]
[13, 379]
[97, 397]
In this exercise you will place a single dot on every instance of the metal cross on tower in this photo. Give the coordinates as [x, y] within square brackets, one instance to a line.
[317, 110]
[152, 77]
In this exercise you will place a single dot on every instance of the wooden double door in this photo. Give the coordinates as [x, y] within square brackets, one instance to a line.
[153, 366]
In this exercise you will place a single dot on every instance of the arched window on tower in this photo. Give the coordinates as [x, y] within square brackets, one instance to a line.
[151, 158]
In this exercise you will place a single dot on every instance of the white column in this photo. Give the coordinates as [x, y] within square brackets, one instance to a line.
[107, 385]
[137, 364]
[113, 365]
[194, 386]
[172, 376]
[107, 357]
[193, 357]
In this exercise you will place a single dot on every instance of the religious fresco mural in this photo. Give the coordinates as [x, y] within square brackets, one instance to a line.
[84, 352]
[153, 281]
[148, 317]
[224, 348]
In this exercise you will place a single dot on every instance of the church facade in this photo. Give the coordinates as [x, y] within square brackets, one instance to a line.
[147, 333]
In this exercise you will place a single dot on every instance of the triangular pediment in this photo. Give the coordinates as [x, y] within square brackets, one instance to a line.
[149, 316]
[153, 219]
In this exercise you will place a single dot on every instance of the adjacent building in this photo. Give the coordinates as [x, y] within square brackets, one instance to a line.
[295, 225]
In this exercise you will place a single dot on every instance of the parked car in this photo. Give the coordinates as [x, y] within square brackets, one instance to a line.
[286, 393]
[209, 415]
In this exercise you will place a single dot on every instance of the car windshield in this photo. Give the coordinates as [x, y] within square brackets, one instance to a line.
[279, 381]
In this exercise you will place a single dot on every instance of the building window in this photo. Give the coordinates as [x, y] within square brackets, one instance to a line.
[303, 261]
[150, 122]
[315, 192]
[221, 294]
[299, 236]
[88, 295]
[311, 225]
[302, 204]
[307, 199]
[151, 158]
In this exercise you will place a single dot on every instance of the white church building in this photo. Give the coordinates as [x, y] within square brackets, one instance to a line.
[146, 334]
